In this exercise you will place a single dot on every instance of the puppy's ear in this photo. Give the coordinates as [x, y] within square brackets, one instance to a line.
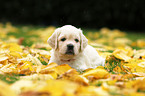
[83, 41]
[53, 39]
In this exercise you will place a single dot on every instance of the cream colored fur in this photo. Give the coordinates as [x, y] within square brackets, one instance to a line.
[85, 56]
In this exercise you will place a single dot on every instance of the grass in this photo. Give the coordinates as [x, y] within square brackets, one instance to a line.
[134, 36]
[9, 78]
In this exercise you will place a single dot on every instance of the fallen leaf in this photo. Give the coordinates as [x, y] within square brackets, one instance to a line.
[61, 69]
[96, 73]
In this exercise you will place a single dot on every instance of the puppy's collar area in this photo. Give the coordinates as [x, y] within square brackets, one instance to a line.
[67, 60]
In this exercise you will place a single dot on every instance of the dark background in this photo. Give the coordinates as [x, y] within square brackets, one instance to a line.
[122, 14]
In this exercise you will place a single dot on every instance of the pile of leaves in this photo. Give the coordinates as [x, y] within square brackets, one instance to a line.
[24, 69]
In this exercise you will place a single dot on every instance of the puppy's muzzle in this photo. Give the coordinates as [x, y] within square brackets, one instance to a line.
[70, 49]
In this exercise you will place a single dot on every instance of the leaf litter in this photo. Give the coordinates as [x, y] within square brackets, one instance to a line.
[25, 68]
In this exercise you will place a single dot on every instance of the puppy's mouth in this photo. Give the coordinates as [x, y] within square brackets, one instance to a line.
[69, 52]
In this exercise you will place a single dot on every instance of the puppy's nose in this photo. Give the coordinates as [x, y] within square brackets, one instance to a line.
[70, 46]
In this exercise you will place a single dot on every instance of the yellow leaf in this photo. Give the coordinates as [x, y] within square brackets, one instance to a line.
[127, 76]
[121, 42]
[142, 64]
[91, 91]
[139, 53]
[27, 64]
[15, 47]
[137, 85]
[97, 73]
[135, 65]
[141, 43]
[5, 90]
[123, 54]
[80, 79]
[15, 54]
[61, 69]
[53, 74]
[37, 77]
[9, 68]
[117, 69]
[136, 94]
[110, 88]
[143, 56]
[60, 88]
[73, 75]
[22, 85]
[50, 69]
[140, 74]
[3, 57]
[105, 31]
[26, 68]
[111, 82]
[101, 67]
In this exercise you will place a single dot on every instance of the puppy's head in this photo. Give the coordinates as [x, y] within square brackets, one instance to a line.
[68, 40]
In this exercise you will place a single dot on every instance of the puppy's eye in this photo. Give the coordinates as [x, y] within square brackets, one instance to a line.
[76, 40]
[63, 39]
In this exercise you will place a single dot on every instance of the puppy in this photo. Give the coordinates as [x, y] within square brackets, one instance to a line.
[70, 46]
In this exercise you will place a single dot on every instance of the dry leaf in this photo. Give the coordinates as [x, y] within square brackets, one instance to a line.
[61, 69]
[5, 90]
[96, 73]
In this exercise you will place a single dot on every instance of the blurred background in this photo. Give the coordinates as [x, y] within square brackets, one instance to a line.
[121, 14]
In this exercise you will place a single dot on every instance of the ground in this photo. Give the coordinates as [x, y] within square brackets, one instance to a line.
[24, 54]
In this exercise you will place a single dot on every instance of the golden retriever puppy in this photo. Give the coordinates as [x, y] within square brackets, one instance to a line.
[70, 46]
